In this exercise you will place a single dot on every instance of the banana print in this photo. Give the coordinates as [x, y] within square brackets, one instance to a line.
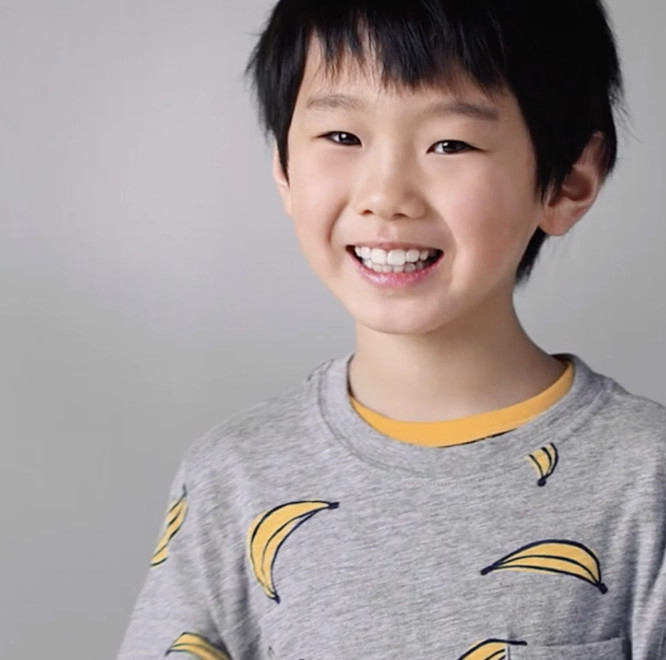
[198, 647]
[554, 556]
[544, 461]
[174, 521]
[269, 530]
[491, 649]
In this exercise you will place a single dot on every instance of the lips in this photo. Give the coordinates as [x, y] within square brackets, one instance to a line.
[397, 277]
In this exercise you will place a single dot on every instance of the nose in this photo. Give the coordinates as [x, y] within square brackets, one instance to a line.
[386, 187]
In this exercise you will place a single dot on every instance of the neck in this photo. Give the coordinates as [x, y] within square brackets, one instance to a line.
[450, 374]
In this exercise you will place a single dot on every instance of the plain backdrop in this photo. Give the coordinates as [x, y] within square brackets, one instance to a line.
[150, 285]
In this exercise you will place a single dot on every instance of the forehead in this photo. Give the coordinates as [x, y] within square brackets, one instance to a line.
[349, 82]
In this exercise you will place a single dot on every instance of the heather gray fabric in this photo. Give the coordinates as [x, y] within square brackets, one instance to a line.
[363, 547]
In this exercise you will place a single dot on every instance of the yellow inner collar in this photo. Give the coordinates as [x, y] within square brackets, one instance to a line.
[468, 429]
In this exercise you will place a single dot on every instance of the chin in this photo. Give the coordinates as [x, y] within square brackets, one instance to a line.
[388, 325]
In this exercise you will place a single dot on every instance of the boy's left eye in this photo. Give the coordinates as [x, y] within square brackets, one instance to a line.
[343, 138]
[450, 147]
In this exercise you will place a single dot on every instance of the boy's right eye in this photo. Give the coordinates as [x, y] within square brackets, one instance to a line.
[340, 137]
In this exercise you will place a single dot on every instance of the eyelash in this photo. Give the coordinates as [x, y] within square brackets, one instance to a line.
[330, 136]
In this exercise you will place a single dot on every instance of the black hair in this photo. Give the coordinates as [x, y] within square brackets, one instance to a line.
[558, 57]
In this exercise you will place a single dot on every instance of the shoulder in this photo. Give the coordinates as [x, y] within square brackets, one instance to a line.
[627, 437]
[631, 415]
[615, 411]
[621, 434]
[257, 436]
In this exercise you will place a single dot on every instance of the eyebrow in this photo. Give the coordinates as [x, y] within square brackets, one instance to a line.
[459, 107]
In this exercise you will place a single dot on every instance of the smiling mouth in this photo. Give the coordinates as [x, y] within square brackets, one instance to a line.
[435, 256]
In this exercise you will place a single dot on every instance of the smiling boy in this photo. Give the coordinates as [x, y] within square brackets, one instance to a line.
[448, 489]
[435, 344]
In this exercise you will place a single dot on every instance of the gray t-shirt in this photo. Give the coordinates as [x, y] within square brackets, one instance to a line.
[296, 531]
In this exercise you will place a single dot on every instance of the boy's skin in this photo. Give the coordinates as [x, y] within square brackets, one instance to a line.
[451, 346]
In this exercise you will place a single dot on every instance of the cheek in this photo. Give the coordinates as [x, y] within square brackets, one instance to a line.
[319, 188]
[488, 215]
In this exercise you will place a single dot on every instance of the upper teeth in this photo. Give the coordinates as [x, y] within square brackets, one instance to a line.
[394, 257]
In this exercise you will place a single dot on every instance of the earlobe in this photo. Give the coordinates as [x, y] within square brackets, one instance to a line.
[578, 192]
[281, 182]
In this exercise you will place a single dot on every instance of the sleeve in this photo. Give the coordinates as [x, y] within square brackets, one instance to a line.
[649, 619]
[174, 612]
[648, 570]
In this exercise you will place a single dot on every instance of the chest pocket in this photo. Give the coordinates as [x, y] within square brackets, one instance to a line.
[611, 649]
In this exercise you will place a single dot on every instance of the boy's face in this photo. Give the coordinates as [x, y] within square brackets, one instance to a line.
[388, 165]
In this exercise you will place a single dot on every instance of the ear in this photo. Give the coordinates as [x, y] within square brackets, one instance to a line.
[281, 182]
[578, 192]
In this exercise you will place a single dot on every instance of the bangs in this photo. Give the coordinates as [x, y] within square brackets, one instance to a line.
[414, 45]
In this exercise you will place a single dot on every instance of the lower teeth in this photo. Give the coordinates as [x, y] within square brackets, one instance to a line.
[407, 268]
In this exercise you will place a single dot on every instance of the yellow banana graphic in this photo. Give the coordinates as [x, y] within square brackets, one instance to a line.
[174, 521]
[197, 646]
[554, 556]
[269, 530]
[491, 649]
[544, 461]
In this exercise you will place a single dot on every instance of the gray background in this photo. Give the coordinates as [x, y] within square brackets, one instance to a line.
[150, 285]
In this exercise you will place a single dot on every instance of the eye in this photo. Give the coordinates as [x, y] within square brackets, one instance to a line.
[345, 139]
[450, 147]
